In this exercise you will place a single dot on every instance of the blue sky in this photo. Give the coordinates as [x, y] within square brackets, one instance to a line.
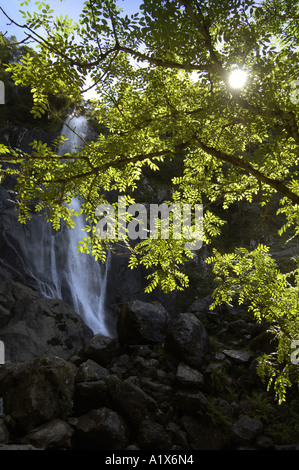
[72, 8]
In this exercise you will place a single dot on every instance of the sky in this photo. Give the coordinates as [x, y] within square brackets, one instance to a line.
[72, 8]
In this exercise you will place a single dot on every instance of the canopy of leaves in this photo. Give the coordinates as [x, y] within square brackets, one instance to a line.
[162, 77]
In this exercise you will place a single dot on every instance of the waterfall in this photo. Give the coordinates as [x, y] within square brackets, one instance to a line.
[53, 261]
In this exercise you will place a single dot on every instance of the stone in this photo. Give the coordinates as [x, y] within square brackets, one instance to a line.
[36, 392]
[18, 447]
[264, 442]
[152, 435]
[188, 376]
[101, 429]
[91, 395]
[201, 305]
[190, 402]
[130, 400]
[90, 371]
[102, 349]
[31, 326]
[142, 323]
[54, 435]
[246, 429]
[201, 434]
[4, 434]
[188, 339]
[157, 390]
[239, 356]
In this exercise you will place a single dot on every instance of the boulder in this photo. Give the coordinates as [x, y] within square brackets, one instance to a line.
[238, 356]
[130, 400]
[4, 434]
[102, 349]
[91, 395]
[142, 323]
[188, 339]
[36, 392]
[246, 429]
[90, 371]
[190, 402]
[54, 435]
[153, 435]
[31, 326]
[101, 429]
[188, 376]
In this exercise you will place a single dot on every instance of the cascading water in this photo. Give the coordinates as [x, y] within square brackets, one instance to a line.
[52, 258]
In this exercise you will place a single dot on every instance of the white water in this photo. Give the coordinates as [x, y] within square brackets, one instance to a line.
[52, 257]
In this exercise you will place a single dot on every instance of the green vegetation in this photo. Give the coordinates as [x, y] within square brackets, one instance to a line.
[236, 145]
[18, 99]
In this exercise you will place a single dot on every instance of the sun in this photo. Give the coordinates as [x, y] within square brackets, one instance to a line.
[237, 78]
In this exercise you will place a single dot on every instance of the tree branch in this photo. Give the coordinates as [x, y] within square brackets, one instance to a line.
[238, 162]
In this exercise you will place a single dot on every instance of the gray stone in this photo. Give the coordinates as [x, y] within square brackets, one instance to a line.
[238, 356]
[31, 326]
[142, 322]
[18, 447]
[102, 349]
[56, 434]
[4, 434]
[189, 376]
[38, 391]
[90, 371]
[190, 402]
[246, 429]
[153, 436]
[188, 339]
[91, 395]
[130, 400]
[101, 429]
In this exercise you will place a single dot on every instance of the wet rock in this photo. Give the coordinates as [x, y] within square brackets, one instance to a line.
[142, 322]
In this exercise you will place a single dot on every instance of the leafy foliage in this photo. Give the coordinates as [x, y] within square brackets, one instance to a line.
[273, 297]
[162, 78]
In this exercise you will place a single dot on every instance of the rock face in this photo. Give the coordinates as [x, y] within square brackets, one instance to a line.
[31, 325]
[142, 322]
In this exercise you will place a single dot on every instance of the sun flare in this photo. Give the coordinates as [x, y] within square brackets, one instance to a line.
[237, 78]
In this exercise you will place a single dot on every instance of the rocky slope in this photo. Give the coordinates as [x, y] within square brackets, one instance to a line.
[186, 382]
